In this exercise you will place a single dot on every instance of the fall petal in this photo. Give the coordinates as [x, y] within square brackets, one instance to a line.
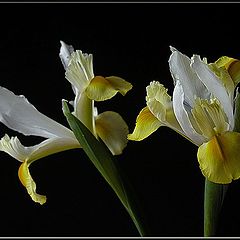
[146, 124]
[113, 130]
[219, 158]
[27, 181]
[101, 89]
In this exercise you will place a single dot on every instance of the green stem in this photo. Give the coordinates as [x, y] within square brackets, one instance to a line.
[213, 199]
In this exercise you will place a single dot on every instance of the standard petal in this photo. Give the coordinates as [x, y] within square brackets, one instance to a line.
[65, 53]
[181, 71]
[182, 115]
[215, 86]
[13, 147]
[113, 130]
[80, 70]
[18, 114]
[219, 158]
[27, 181]
[146, 124]
[101, 89]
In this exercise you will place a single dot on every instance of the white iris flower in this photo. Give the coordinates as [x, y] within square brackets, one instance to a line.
[202, 110]
[20, 115]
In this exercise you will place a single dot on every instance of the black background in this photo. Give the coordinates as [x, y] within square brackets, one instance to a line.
[130, 40]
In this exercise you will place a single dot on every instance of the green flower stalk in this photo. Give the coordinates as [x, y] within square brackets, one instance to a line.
[202, 110]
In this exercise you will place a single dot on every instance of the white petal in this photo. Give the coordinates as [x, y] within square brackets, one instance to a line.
[13, 147]
[18, 114]
[182, 115]
[79, 71]
[181, 71]
[65, 53]
[215, 86]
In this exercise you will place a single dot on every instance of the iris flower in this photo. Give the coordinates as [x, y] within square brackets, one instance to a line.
[201, 109]
[17, 113]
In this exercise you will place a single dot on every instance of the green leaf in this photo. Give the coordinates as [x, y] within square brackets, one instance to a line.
[103, 160]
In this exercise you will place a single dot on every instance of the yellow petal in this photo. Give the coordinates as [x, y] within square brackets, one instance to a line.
[27, 181]
[219, 158]
[101, 89]
[146, 124]
[232, 66]
[113, 130]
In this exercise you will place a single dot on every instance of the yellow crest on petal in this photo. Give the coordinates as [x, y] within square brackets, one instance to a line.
[29, 184]
[219, 158]
[146, 124]
[101, 89]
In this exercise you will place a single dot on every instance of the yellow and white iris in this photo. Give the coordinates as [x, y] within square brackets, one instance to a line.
[201, 109]
[18, 114]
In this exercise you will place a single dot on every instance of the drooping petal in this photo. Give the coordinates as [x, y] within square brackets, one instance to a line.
[65, 53]
[219, 158]
[113, 130]
[146, 124]
[27, 181]
[79, 71]
[27, 155]
[181, 71]
[182, 115]
[18, 114]
[215, 86]
[101, 89]
[13, 147]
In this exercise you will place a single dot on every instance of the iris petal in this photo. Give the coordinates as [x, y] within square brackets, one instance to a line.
[182, 115]
[219, 158]
[215, 86]
[113, 130]
[18, 114]
[27, 181]
[101, 89]
[146, 124]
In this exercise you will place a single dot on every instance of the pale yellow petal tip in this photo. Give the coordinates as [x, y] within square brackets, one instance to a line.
[146, 124]
[29, 184]
[219, 158]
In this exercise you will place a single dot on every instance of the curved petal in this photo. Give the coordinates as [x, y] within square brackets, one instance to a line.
[101, 89]
[65, 53]
[113, 130]
[18, 114]
[13, 147]
[215, 86]
[27, 181]
[232, 66]
[219, 158]
[182, 115]
[146, 124]
[27, 155]
[181, 71]
[80, 70]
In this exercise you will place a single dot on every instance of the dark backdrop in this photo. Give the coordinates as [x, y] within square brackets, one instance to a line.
[130, 40]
